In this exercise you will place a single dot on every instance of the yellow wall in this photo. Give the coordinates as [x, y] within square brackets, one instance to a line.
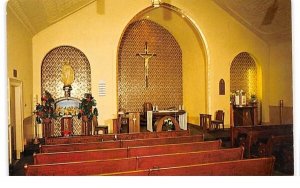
[193, 60]
[98, 35]
[281, 74]
[19, 57]
[225, 38]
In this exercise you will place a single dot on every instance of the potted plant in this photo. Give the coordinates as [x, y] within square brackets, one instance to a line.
[45, 111]
[86, 111]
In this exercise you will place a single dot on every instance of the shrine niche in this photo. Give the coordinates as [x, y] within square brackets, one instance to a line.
[222, 87]
[66, 74]
[149, 67]
[243, 85]
[243, 74]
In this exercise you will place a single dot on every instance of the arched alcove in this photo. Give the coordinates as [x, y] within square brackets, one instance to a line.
[243, 74]
[51, 74]
[51, 71]
[194, 55]
[164, 80]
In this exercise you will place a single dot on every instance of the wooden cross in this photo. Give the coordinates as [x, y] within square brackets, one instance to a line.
[146, 57]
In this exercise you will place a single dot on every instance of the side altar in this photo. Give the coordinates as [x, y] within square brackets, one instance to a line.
[67, 122]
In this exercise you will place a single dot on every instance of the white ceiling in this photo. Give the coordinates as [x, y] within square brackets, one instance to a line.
[37, 15]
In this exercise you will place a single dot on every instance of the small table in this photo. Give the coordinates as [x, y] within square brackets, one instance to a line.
[103, 128]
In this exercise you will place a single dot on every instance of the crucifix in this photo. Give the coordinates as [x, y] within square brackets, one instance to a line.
[146, 57]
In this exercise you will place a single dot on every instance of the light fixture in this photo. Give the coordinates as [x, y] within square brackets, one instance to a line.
[156, 3]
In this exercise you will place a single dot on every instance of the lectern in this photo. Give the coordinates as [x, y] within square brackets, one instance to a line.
[245, 115]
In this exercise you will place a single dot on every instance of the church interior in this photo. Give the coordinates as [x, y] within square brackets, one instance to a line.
[113, 76]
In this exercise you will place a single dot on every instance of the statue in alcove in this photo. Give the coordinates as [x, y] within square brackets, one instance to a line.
[67, 77]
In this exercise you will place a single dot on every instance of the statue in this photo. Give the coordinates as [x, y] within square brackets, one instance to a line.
[67, 76]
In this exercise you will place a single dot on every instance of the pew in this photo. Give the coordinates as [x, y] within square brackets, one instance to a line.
[281, 147]
[271, 129]
[249, 136]
[107, 137]
[93, 167]
[73, 156]
[245, 167]
[119, 143]
[278, 141]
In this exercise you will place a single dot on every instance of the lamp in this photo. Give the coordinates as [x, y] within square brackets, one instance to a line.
[156, 3]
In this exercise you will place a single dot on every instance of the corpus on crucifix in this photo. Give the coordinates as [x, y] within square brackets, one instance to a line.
[146, 57]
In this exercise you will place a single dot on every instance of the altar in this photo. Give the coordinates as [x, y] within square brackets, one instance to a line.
[179, 115]
[67, 122]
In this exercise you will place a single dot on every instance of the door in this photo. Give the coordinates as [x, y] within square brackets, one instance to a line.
[15, 127]
[12, 127]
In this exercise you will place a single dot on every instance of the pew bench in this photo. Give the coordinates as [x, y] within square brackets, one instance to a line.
[102, 154]
[281, 147]
[111, 137]
[119, 144]
[93, 167]
[245, 167]
[237, 132]
[251, 136]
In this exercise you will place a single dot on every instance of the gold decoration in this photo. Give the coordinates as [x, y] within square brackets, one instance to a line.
[52, 69]
[243, 74]
[67, 74]
[164, 75]
[52, 78]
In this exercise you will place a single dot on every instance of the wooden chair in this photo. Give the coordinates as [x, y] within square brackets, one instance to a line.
[219, 120]
[205, 121]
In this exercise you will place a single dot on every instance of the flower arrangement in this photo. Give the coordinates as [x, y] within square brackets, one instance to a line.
[45, 111]
[86, 107]
[168, 125]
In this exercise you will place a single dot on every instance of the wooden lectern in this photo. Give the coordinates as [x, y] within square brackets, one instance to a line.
[245, 115]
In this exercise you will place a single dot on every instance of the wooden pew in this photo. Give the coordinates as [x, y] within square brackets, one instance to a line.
[119, 144]
[282, 148]
[73, 156]
[278, 141]
[107, 137]
[134, 163]
[246, 167]
[271, 129]
[247, 136]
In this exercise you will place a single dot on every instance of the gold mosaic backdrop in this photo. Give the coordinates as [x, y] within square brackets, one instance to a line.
[165, 69]
[51, 78]
[243, 74]
[51, 72]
